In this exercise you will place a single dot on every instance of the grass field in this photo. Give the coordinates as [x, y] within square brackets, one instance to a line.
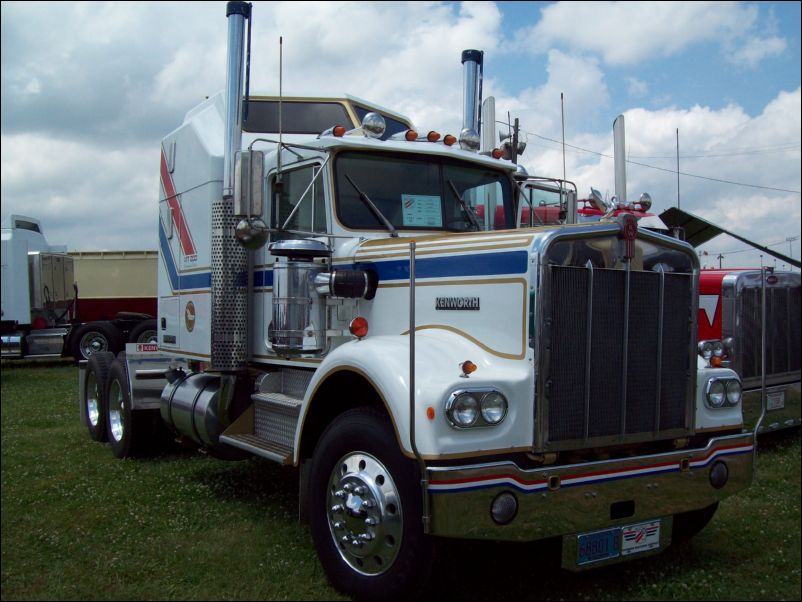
[79, 524]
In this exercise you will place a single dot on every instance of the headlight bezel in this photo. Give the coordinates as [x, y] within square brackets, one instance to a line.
[482, 396]
[725, 384]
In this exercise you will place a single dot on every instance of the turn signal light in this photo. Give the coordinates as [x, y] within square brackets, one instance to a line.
[467, 367]
[433, 136]
[449, 140]
[411, 135]
[359, 327]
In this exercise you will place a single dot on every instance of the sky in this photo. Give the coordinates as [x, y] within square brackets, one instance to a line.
[89, 89]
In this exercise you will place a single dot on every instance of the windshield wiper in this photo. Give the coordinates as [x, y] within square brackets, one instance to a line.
[366, 200]
[468, 213]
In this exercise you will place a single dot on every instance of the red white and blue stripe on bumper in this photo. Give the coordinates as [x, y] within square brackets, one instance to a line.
[522, 485]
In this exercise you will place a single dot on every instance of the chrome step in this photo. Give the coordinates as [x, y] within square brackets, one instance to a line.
[258, 446]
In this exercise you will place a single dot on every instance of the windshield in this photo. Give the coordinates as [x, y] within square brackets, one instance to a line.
[542, 205]
[421, 193]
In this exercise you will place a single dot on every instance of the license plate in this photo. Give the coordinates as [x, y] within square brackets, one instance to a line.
[640, 537]
[775, 400]
[601, 545]
[618, 541]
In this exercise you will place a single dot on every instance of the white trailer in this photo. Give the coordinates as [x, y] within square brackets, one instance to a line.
[337, 304]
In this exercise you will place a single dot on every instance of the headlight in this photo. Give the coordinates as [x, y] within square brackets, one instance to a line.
[494, 407]
[464, 410]
[733, 391]
[477, 408]
[716, 394]
[718, 349]
[706, 349]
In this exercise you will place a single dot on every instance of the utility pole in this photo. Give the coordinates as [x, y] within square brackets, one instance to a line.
[514, 150]
[720, 257]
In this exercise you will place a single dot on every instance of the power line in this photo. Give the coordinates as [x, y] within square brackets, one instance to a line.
[757, 150]
[690, 175]
[747, 249]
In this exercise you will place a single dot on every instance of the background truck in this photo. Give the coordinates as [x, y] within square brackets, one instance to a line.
[363, 307]
[42, 312]
[730, 311]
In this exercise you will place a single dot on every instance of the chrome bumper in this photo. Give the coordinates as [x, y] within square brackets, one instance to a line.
[577, 498]
[787, 411]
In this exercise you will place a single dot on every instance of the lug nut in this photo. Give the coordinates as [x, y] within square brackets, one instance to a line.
[339, 525]
[338, 509]
[359, 490]
[368, 504]
[370, 522]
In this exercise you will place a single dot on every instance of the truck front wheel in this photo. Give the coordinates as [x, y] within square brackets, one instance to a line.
[365, 510]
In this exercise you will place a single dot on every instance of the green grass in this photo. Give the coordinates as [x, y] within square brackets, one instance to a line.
[79, 524]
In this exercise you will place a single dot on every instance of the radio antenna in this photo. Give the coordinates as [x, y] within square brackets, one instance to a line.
[562, 117]
[678, 206]
[280, 78]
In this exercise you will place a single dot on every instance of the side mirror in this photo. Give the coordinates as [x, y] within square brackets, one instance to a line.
[249, 176]
[249, 171]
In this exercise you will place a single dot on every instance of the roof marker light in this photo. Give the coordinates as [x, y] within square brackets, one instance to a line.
[449, 140]
[411, 135]
[497, 153]
[338, 131]
[433, 136]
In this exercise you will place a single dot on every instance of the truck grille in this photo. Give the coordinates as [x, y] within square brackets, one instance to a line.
[782, 334]
[598, 386]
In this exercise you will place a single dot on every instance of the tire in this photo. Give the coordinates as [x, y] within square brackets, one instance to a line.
[365, 509]
[96, 377]
[93, 337]
[130, 433]
[688, 524]
[144, 332]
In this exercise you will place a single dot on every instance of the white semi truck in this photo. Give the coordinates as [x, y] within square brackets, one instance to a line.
[361, 305]
[43, 314]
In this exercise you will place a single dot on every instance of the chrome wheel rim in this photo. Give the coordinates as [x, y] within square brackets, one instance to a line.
[363, 508]
[148, 336]
[92, 400]
[116, 407]
[92, 342]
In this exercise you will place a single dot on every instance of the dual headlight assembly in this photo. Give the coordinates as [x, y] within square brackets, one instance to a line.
[476, 408]
[722, 392]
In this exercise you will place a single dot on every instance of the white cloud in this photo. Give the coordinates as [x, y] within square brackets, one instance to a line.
[637, 87]
[756, 49]
[626, 33]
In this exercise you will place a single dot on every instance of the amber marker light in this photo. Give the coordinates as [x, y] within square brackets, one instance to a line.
[467, 367]
[433, 136]
[715, 361]
[411, 135]
[359, 327]
[497, 153]
[449, 140]
[338, 131]
[430, 413]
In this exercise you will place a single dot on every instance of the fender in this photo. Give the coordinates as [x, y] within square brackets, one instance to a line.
[439, 354]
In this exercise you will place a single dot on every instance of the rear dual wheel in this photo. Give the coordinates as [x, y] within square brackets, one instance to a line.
[130, 432]
[94, 393]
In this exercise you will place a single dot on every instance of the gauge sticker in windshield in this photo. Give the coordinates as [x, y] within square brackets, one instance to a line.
[421, 210]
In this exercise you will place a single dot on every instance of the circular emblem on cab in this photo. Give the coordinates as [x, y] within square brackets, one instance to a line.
[189, 316]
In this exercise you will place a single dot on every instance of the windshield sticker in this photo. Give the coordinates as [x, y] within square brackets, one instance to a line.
[421, 210]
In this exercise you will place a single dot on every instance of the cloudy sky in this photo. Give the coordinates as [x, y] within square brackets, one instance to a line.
[90, 88]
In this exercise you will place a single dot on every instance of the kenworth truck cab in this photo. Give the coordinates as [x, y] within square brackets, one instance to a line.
[363, 307]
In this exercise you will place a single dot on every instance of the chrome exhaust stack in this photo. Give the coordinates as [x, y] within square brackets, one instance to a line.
[620, 160]
[472, 61]
[230, 298]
